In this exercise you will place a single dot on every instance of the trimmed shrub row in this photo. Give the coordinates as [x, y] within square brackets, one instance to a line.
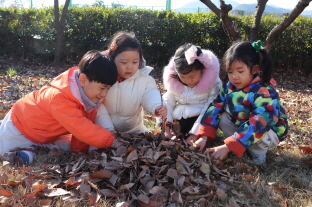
[160, 33]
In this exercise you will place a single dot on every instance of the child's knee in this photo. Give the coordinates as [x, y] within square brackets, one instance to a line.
[227, 127]
[269, 140]
[260, 148]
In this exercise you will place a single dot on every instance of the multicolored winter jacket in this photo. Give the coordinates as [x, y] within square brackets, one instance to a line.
[254, 109]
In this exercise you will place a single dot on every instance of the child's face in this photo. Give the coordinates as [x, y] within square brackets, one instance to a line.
[240, 75]
[127, 63]
[191, 79]
[94, 91]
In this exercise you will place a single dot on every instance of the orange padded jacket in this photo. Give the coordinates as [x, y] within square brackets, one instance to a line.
[46, 114]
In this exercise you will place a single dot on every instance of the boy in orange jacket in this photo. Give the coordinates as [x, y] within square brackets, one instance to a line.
[47, 116]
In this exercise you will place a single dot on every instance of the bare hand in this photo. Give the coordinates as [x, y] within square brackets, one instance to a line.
[114, 133]
[161, 111]
[116, 144]
[200, 143]
[168, 133]
[191, 139]
[219, 152]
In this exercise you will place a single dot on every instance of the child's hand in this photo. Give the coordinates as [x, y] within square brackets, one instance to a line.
[191, 139]
[114, 133]
[168, 133]
[219, 152]
[116, 144]
[200, 143]
[161, 111]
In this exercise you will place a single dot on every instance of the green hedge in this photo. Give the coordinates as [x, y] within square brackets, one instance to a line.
[160, 33]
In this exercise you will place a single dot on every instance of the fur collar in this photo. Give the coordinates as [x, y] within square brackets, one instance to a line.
[206, 82]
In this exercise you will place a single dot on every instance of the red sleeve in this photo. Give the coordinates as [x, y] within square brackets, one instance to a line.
[235, 146]
[208, 131]
[72, 116]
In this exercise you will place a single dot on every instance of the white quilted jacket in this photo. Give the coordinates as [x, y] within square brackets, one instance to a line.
[186, 102]
[123, 107]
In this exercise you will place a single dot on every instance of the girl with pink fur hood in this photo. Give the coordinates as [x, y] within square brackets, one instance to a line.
[192, 82]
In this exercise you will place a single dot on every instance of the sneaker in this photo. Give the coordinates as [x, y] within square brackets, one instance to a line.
[259, 160]
[27, 156]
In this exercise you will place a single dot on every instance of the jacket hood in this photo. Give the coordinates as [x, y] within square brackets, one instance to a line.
[207, 81]
[66, 83]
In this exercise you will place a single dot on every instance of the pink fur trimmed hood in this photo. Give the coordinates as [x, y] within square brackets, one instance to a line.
[207, 81]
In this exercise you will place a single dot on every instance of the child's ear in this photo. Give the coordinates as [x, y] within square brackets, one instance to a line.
[83, 79]
[255, 69]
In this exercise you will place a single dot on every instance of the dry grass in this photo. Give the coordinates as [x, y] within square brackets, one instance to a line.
[285, 181]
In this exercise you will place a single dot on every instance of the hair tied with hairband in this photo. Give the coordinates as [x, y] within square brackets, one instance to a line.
[191, 55]
[113, 46]
[257, 45]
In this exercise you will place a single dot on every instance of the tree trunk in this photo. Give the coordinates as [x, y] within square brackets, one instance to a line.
[230, 27]
[256, 24]
[212, 7]
[233, 32]
[59, 25]
[277, 30]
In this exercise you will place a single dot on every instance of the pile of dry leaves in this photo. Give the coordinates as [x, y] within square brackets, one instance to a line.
[144, 171]
[150, 171]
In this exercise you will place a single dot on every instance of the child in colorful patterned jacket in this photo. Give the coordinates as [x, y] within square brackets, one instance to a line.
[248, 109]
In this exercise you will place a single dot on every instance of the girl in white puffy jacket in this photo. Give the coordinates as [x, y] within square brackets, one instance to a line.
[192, 82]
[134, 91]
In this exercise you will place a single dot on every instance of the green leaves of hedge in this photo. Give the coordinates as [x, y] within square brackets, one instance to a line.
[160, 32]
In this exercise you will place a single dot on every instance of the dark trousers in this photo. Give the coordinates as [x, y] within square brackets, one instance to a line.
[187, 124]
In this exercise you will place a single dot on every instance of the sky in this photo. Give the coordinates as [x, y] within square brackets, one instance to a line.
[162, 3]
[178, 3]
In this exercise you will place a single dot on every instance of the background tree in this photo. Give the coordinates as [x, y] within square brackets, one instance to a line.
[12, 3]
[60, 26]
[234, 33]
[98, 3]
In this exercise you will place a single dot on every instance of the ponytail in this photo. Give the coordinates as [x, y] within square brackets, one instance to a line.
[266, 66]
[251, 54]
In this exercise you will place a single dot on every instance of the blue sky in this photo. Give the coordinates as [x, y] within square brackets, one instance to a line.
[174, 3]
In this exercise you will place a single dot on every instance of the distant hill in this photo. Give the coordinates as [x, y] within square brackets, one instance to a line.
[307, 13]
[268, 8]
[196, 6]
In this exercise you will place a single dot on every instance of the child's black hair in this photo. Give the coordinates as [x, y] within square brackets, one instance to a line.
[244, 52]
[180, 62]
[98, 67]
[126, 41]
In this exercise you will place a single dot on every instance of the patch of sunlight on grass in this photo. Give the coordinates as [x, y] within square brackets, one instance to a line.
[13, 71]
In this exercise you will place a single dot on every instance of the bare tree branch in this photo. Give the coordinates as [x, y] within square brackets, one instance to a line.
[60, 28]
[56, 14]
[64, 13]
[256, 24]
[212, 7]
[234, 33]
[231, 30]
[277, 30]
